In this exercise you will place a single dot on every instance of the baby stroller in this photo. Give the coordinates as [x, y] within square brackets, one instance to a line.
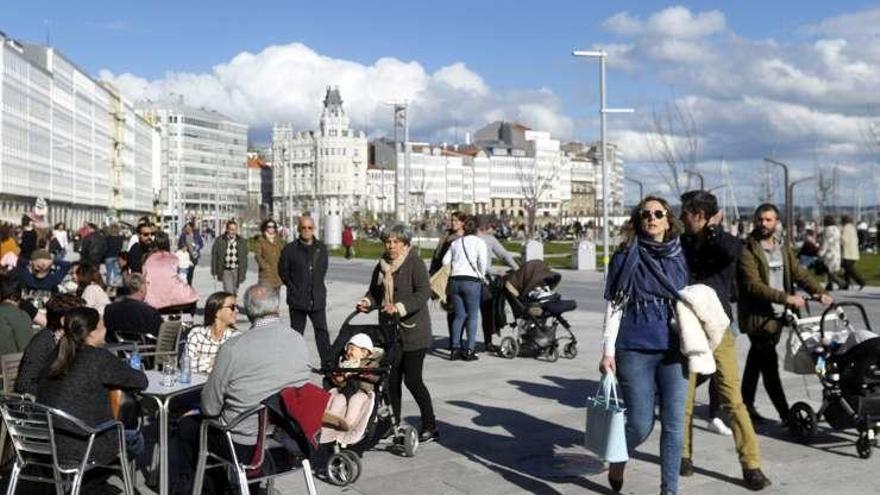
[847, 362]
[343, 465]
[537, 311]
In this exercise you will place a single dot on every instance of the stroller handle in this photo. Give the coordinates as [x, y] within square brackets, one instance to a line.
[838, 307]
[355, 313]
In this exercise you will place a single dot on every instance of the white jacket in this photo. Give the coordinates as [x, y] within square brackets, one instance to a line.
[477, 253]
[702, 321]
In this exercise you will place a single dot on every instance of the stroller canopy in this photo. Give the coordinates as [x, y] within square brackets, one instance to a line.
[531, 275]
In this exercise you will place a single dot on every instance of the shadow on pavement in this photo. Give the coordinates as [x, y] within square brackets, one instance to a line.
[513, 455]
[566, 391]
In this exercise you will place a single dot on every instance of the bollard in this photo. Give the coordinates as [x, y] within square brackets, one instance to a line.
[583, 256]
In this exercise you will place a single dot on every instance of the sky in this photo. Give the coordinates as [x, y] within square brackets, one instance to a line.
[797, 81]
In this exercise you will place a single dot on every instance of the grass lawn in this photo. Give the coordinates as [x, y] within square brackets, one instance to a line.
[869, 266]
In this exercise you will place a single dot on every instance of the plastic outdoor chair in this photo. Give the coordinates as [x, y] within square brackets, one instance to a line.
[32, 429]
[231, 461]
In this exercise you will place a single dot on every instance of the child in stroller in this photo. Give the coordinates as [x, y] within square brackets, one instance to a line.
[847, 362]
[365, 423]
[537, 309]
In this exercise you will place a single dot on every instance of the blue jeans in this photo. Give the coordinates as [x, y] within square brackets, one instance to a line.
[113, 270]
[644, 375]
[466, 308]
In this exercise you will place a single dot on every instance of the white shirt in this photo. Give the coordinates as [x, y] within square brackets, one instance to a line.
[477, 252]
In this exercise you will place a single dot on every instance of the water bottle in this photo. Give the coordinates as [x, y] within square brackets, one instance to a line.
[185, 375]
[135, 359]
[820, 365]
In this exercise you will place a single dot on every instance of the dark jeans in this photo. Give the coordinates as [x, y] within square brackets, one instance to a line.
[487, 320]
[763, 361]
[216, 480]
[189, 273]
[319, 324]
[465, 296]
[408, 370]
[850, 273]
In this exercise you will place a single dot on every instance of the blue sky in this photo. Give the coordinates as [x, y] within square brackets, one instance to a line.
[517, 52]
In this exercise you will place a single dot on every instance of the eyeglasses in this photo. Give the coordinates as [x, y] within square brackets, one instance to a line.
[234, 307]
[307, 227]
[658, 214]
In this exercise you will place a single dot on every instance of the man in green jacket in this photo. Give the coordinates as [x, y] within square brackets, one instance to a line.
[16, 327]
[229, 258]
[767, 272]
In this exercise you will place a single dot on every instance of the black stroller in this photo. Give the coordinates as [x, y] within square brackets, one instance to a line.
[343, 465]
[847, 363]
[537, 311]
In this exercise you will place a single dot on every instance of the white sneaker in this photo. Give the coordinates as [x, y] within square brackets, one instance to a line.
[716, 425]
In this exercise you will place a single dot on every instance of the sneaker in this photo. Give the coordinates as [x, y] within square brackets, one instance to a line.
[428, 435]
[687, 467]
[755, 480]
[716, 425]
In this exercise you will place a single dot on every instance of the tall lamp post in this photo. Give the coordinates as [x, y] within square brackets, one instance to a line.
[791, 191]
[789, 211]
[602, 55]
[641, 187]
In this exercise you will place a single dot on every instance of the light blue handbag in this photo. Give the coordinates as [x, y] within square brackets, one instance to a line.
[605, 434]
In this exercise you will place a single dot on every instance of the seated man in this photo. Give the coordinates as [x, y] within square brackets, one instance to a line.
[130, 314]
[41, 276]
[248, 369]
[15, 325]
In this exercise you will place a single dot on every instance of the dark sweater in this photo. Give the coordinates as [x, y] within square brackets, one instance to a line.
[712, 261]
[83, 393]
[131, 316]
[36, 357]
[16, 328]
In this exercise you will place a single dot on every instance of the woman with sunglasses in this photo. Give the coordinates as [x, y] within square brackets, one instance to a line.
[640, 343]
[203, 342]
[268, 253]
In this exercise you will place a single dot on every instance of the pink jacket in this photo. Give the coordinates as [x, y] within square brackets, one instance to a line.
[164, 287]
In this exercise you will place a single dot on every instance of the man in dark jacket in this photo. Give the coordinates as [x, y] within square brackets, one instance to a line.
[93, 247]
[711, 256]
[303, 267]
[130, 314]
[766, 276]
[229, 258]
[139, 249]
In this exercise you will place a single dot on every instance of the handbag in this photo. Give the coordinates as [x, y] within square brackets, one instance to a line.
[439, 282]
[605, 434]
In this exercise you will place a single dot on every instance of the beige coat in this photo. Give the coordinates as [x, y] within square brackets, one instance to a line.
[849, 243]
[267, 254]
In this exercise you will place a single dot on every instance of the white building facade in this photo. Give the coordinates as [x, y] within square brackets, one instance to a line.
[69, 139]
[323, 172]
[204, 164]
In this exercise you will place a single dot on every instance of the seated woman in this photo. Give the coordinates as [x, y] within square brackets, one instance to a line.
[41, 349]
[203, 342]
[348, 410]
[90, 287]
[165, 291]
[78, 381]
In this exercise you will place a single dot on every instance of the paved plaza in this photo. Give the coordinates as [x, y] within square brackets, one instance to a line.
[516, 426]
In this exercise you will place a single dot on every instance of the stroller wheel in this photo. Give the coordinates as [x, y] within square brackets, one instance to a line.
[863, 446]
[802, 423]
[508, 348]
[341, 469]
[570, 351]
[356, 463]
[410, 440]
[552, 354]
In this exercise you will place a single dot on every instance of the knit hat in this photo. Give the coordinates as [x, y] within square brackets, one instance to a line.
[362, 340]
[40, 254]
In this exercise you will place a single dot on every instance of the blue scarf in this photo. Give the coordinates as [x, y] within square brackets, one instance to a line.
[642, 277]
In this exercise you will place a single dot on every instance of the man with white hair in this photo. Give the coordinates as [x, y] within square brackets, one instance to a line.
[249, 368]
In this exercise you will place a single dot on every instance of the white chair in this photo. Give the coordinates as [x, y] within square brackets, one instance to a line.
[32, 429]
[230, 460]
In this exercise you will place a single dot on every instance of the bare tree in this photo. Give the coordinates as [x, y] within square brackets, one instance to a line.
[674, 142]
[534, 182]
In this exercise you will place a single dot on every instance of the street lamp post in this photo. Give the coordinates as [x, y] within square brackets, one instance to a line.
[789, 211]
[602, 55]
[790, 192]
[641, 187]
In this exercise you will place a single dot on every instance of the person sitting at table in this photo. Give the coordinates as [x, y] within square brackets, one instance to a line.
[39, 352]
[165, 291]
[42, 273]
[90, 287]
[16, 327]
[249, 368]
[129, 314]
[78, 382]
[203, 342]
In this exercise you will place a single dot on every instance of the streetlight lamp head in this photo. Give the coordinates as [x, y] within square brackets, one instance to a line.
[589, 53]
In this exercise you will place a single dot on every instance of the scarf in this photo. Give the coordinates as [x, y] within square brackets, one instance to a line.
[388, 271]
[642, 272]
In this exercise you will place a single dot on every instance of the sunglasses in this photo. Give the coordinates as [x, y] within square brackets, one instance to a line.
[306, 227]
[658, 214]
[234, 307]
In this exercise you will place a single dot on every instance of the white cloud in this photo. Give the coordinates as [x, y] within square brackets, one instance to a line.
[287, 83]
[855, 24]
[673, 22]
